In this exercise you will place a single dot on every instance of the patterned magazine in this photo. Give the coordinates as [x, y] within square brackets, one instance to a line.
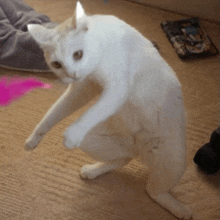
[189, 38]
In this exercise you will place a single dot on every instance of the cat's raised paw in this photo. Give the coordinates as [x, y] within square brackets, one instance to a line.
[32, 142]
[73, 137]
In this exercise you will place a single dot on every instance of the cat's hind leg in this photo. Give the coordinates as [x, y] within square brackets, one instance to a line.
[168, 155]
[92, 171]
[165, 173]
[167, 201]
[112, 150]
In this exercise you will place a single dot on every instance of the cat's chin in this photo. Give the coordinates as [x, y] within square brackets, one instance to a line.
[65, 82]
[69, 80]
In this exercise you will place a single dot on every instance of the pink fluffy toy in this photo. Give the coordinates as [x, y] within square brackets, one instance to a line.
[13, 88]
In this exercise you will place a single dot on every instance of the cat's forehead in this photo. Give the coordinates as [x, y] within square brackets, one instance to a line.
[68, 39]
[63, 30]
[65, 27]
[66, 32]
[65, 44]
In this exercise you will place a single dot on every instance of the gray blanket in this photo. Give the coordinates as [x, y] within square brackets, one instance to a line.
[18, 50]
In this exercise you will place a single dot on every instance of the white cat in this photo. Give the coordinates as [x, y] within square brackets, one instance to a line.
[140, 111]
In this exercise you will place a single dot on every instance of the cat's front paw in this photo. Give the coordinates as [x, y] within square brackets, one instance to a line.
[91, 171]
[33, 141]
[73, 137]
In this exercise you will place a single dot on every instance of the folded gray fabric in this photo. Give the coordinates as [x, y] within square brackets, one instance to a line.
[18, 50]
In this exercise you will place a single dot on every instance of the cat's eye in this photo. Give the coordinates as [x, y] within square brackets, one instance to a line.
[56, 65]
[78, 55]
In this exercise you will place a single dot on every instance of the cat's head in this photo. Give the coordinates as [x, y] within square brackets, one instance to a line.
[70, 50]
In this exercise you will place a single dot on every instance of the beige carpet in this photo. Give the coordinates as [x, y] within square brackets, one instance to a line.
[45, 185]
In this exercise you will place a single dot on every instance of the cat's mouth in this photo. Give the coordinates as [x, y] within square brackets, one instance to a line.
[70, 80]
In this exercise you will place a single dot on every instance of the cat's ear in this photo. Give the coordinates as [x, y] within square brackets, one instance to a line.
[41, 34]
[79, 18]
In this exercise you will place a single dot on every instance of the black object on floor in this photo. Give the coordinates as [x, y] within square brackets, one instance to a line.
[188, 38]
[208, 156]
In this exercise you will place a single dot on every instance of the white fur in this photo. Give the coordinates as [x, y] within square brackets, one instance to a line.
[139, 113]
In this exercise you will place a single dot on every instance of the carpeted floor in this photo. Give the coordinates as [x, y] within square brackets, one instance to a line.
[45, 183]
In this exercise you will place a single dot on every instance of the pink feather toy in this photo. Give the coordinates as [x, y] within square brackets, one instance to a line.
[13, 88]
